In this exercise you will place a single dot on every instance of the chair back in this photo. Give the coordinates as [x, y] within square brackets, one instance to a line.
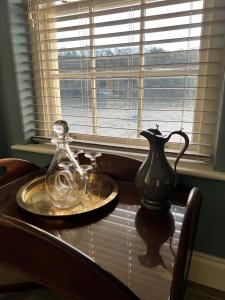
[13, 168]
[185, 247]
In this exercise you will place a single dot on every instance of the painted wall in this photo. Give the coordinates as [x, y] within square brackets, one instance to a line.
[11, 129]
[210, 237]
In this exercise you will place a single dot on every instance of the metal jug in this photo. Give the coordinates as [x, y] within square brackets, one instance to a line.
[156, 179]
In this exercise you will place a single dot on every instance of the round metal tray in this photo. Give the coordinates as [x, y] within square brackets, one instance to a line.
[32, 197]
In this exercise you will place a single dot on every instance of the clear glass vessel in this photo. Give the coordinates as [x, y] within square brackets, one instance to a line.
[84, 181]
[61, 180]
[94, 178]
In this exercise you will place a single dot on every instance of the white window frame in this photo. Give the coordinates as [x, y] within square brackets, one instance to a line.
[43, 86]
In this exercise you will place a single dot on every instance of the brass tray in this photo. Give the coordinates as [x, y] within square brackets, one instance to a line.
[32, 197]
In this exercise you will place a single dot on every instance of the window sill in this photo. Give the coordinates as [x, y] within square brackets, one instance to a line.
[185, 166]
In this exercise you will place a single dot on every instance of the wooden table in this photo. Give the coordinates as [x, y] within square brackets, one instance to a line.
[139, 247]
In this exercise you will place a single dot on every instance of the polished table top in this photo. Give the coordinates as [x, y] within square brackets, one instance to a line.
[137, 246]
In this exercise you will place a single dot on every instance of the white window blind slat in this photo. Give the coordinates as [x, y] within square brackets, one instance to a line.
[113, 68]
[172, 30]
[118, 19]
[217, 42]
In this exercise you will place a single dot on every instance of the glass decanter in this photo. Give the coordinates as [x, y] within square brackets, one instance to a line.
[61, 179]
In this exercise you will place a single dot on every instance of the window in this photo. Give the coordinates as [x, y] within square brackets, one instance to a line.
[112, 68]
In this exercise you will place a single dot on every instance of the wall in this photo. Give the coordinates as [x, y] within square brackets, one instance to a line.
[11, 128]
[211, 227]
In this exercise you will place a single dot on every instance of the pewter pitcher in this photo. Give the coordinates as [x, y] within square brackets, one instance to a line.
[156, 179]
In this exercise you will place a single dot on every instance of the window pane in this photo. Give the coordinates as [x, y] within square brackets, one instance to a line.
[77, 104]
[114, 68]
[117, 107]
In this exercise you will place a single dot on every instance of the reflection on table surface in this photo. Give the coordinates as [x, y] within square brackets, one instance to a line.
[118, 245]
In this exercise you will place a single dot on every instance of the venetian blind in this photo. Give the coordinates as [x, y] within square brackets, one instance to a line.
[114, 68]
[19, 28]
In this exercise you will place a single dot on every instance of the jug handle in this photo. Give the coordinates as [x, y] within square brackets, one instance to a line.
[186, 139]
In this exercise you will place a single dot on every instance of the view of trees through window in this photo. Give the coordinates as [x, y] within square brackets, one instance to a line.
[168, 101]
[126, 66]
[113, 68]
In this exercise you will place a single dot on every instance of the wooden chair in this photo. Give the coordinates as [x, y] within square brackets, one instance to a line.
[186, 244]
[55, 264]
[10, 170]
[13, 168]
[118, 167]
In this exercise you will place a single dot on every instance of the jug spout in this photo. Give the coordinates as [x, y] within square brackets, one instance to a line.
[151, 132]
[153, 135]
[146, 134]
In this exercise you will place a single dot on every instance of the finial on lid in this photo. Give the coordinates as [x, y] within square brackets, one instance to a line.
[61, 129]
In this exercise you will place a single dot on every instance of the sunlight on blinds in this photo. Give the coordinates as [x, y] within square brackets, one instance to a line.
[113, 68]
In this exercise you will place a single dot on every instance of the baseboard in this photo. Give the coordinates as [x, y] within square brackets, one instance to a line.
[207, 270]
